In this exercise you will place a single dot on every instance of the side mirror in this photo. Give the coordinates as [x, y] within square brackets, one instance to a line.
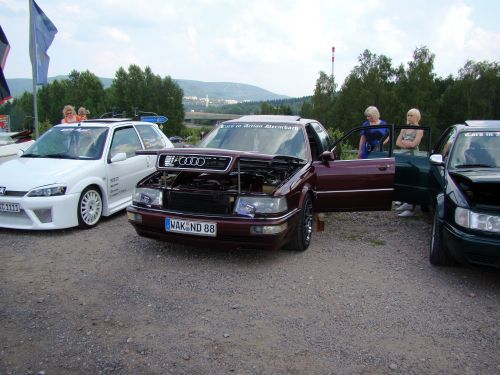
[436, 159]
[121, 156]
[327, 156]
[20, 152]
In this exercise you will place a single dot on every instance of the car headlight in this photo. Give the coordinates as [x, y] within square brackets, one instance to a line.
[148, 197]
[47, 191]
[249, 206]
[473, 220]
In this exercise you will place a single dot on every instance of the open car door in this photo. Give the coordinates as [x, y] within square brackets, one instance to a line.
[413, 180]
[346, 183]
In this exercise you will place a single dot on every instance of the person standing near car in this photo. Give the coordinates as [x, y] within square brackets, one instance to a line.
[372, 140]
[69, 115]
[409, 139]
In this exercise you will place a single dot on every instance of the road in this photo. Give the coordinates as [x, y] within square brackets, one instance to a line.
[363, 299]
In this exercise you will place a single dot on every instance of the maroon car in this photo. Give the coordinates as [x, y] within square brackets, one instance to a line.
[256, 182]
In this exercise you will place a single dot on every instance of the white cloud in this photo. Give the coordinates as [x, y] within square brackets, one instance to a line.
[116, 34]
[280, 45]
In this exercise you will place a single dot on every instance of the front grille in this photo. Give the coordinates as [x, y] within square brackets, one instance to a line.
[199, 203]
[198, 162]
[12, 193]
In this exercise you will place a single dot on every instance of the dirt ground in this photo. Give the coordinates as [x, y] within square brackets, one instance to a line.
[363, 299]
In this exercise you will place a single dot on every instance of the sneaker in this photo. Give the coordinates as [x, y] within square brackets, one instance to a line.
[404, 207]
[407, 213]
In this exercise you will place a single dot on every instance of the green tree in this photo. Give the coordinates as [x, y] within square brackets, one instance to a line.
[417, 88]
[135, 91]
[322, 100]
[372, 82]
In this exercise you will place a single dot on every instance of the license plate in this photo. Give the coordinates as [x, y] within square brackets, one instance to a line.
[9, 207]
[199, 228]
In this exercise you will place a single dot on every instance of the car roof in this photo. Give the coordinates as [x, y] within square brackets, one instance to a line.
[106, 122]
[478, 125]
[270, 119]
[483, 123]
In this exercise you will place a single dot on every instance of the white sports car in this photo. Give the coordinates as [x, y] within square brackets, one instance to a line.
[12, 142]
[76, 173]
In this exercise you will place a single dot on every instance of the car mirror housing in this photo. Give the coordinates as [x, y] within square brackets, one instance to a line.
[121, 156]
[327, 156]
[20, 152]
[436, 159]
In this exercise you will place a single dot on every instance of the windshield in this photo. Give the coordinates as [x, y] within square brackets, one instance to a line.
[476, 149]
[272, 139]
[69, 143]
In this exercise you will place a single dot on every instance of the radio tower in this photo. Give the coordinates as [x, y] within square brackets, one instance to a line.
[333, 60]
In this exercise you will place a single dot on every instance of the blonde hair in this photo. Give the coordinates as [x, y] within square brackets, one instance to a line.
[83, 111]
[66, 107]
[415, 112]
[373, 112]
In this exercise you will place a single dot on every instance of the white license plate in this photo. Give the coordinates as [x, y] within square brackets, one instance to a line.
[199, 228]
[9, 207]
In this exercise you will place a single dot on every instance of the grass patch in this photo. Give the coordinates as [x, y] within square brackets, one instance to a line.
[377, 242]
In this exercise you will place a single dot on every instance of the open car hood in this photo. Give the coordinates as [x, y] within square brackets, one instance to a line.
[479, 186]
[216, 161]
[479, 175]
[216, 170]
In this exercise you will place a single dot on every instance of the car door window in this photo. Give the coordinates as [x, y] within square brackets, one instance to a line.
[125, 140]
[150, 137]
[323, 136]
[445, 143]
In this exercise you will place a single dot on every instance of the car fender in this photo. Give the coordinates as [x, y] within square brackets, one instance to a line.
[94, 180]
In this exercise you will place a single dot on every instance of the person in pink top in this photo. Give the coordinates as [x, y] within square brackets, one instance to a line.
[69, 115]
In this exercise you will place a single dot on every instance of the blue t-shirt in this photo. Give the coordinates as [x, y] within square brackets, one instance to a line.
[374, 139]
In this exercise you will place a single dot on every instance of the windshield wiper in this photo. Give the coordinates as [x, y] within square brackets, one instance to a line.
[59, 156]
[475, 166]
[32, 156]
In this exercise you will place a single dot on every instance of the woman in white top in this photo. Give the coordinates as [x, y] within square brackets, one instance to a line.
[409, 139]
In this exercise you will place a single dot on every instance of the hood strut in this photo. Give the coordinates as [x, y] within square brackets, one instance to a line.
[239, 178]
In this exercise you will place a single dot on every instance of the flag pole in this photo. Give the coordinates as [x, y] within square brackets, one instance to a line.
[33, 71]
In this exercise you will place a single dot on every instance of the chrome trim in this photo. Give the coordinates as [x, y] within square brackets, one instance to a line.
[170, 157]
[351, 191]
[286, 216]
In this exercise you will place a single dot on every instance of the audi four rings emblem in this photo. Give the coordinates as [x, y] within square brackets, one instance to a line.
[191, 161]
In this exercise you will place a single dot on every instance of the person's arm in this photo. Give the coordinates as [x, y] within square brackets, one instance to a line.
[399, 141]
[362, 141]
[416, 141]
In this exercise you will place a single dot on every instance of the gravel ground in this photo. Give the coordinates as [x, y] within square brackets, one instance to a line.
[362, 300]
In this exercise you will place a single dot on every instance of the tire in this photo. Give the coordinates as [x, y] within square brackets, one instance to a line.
[438, 254]
[303, 234]
[89, 210]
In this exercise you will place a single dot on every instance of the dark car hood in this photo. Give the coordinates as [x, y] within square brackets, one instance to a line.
[479, 175]
[480, 186]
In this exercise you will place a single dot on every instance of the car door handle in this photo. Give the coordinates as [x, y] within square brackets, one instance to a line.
[384, 167]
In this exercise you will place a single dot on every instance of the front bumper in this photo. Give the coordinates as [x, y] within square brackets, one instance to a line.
[41, 213]
[472, 248]
[232, 232]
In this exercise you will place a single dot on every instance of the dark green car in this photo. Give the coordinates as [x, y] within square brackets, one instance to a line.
[465, 165]
[458, 180]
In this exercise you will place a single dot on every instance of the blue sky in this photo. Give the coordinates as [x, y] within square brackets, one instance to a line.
[279, 45]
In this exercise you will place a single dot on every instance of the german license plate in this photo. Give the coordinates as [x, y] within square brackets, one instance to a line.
[9, 207]
[199, 228]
